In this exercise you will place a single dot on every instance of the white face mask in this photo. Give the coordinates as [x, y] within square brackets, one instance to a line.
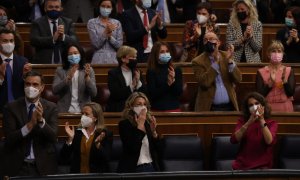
[146, 3]
[201, 19]
[31, 92]
[86, 121]
[138, 109]
[8, 47]
[254, 108]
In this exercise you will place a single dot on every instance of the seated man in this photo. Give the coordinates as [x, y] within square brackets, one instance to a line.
[216, 74]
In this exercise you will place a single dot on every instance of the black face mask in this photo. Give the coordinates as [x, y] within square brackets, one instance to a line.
[209, 47]
[242, 15]
[132, 64]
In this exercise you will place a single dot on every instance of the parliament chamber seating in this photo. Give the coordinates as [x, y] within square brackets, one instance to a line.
[223, 153]
[116, 153]
[182, 153]
[289, 156]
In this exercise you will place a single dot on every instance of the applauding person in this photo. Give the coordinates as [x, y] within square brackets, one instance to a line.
[124, 79]
[88, 148]
[139, 136]
[164, 81]
[105, 34]
[256, 134]
[74, 82]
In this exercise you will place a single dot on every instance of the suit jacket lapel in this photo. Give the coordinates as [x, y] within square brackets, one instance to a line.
[47, 26]
[120, 76]
[81, 84]
[23, 109]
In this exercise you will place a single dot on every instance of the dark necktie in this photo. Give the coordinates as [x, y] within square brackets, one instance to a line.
[28, 143]
[8, 73]
[55, 48]
[119, 6]
[145, 38]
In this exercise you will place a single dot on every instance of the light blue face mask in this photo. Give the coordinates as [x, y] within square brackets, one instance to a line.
[289, 22]
[74, 58]
[3, 20]
[105, 12]
[165, 57]
[146, 3]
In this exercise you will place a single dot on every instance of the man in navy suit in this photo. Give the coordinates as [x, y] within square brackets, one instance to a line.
[49, 34]
[140, 36]
[12, 68]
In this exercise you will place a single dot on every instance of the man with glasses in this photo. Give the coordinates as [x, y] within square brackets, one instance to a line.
[216, 74]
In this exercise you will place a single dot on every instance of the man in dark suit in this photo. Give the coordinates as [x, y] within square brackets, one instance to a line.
[12, 68]
[30, 128]
[50, 33]
[142, 31]
[28, 10]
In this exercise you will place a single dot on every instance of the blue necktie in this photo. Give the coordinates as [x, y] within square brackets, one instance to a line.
[28, 143]
[8, 74]
[56, 57]
[161, 9]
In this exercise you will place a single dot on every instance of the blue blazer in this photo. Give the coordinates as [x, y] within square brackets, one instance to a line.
[17, 80]
[134, 29]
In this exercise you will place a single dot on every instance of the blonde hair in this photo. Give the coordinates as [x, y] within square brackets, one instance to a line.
[253, 16]
[124, 51]
[275, 44]
[128, 109]
[98, 114]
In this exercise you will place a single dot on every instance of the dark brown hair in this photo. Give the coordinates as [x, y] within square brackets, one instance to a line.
[261, 99]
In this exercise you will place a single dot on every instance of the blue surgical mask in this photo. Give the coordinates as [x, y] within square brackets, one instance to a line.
[74, 58]
[289, 22]
[3, 20]
[146, 3]
[165, 57]
[53, 14]
[105, 12]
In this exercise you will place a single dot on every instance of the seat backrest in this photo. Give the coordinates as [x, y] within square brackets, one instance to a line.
[1, 156]
[116, 153]
[296, 101]
[289, 156]
[182, 153]
[48, 94]
[63, 165]
[102, 96]
[223, 152]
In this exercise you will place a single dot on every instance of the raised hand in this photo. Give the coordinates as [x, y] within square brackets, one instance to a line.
[141, 119]
[72, 71]
[171, 75]
[230, 51]
[27, 67]
[99, 139]
[70, 130]
[87, 70]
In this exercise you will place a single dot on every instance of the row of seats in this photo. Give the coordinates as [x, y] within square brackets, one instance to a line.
[187, 98]
[185, 153]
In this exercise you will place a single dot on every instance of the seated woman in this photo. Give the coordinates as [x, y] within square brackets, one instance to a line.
[139, 137]
[164, 81]
[124, 79]
[105, 33]
[74, 82]
[88, 148]
[195, 30]
[276, 81]
[256, 134]
[289, 35]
